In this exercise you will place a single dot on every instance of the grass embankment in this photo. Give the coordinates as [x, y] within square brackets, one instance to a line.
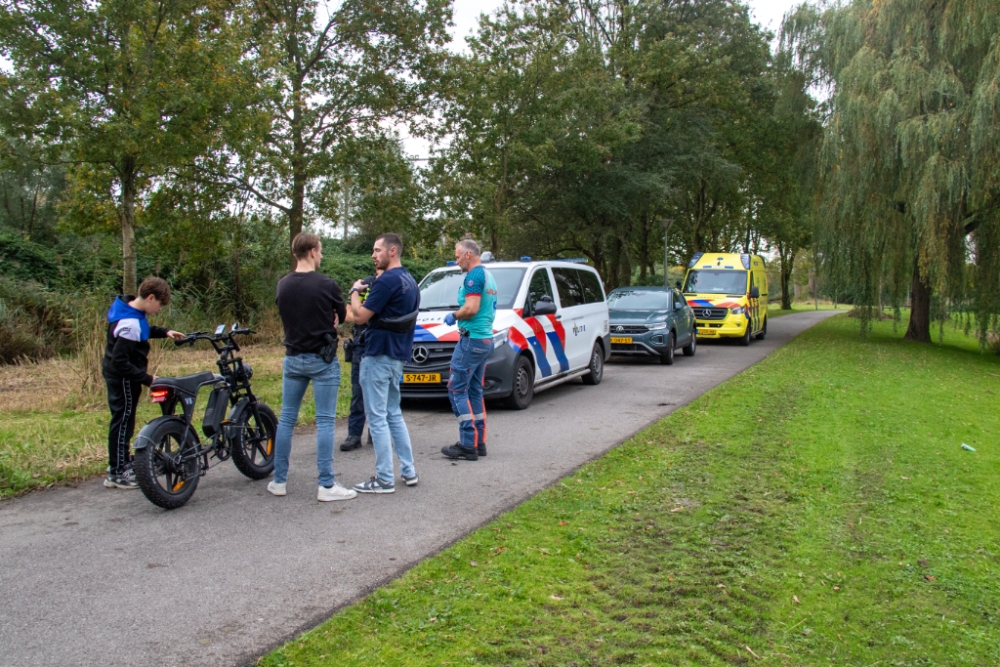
[775, 310]
[51, 432]
[817, 509]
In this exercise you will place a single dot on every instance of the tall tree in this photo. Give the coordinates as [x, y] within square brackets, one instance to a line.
[119, 90]
[909, 175]
[334, 74]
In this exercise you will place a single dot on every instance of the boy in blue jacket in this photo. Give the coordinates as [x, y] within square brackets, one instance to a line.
[124, 368]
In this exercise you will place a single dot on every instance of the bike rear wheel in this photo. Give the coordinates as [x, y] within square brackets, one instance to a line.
[252, 441]
[164, 480]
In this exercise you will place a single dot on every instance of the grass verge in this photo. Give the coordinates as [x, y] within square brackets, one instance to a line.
[50, 433]
[816, 509]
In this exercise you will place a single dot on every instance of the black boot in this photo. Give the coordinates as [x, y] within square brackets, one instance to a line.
[352, 442]
[481, 449]
[456, 451]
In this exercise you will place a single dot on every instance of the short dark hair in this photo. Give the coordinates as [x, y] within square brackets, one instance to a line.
[158, 287]
[303, 243]
[391, 239]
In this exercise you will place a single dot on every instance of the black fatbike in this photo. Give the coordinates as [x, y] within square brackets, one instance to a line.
[170, 458]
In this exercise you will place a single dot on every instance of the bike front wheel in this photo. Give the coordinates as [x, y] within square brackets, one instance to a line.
[252, 438]
[165, 478]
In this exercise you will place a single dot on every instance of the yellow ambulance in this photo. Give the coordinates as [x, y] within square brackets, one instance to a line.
[728, 293]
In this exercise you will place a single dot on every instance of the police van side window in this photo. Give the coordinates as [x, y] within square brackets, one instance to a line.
[592, 290]
[539, 286]
[570, 290]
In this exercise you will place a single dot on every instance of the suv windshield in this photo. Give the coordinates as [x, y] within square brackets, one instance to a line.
[716, 282]
[637, 299]
[439, 289]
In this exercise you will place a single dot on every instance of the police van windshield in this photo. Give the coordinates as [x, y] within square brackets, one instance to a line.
[439, 289]
[635, 299]
[716, 282]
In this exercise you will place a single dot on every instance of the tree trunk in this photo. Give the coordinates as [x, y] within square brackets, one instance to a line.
[919, 328]
[126, 216]
[786, 282]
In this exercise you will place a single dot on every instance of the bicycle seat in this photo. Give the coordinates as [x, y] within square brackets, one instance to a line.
[188, 384]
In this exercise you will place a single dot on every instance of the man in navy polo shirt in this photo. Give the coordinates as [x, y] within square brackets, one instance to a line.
[390, 310]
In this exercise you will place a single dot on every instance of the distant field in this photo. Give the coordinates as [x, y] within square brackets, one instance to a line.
[52, 432]
[818, 509]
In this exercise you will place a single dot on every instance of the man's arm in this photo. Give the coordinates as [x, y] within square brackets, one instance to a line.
[339, 307]
[360, 314]
[470, 308]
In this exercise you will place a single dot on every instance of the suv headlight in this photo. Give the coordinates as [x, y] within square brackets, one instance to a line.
[738, 311]
[499, 338]
[657, 326]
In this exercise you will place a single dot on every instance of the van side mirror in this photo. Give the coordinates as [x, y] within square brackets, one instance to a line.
[754, 292]
[544, 306]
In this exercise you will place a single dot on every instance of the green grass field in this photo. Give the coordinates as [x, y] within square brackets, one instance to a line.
[818, 509]
[59, 437]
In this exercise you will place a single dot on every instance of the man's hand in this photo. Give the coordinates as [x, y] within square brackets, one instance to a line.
[358, 285]
[176, 335]
[449, 319]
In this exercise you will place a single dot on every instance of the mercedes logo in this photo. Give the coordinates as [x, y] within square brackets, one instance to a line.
[619, 329]
[707, 312]
[420, 354]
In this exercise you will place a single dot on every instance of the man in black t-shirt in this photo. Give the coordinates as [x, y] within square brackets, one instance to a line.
[311, 305]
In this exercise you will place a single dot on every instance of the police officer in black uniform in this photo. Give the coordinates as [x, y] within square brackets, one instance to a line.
[356, 420]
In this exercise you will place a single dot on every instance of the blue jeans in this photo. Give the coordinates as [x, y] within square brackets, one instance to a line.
[380, 383]
[465, 389]
[356, 420]
[298, 371]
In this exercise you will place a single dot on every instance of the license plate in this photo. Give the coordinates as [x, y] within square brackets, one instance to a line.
[421, 378]
[621, 340]
[704, 332]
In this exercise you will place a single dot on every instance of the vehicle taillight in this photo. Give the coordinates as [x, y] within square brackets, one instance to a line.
[159, 395]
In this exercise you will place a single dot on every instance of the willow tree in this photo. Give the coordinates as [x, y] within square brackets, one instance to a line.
[910, 163]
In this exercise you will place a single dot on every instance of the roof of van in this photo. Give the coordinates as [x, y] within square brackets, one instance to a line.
[536, 262]
[724, 260]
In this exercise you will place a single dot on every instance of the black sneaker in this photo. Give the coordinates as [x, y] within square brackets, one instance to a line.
[352, 442]
[456, 451]
[375, 485]
[410, 480]
[122, 480]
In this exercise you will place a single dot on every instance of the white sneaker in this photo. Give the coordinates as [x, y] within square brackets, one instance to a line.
[275, 488]
[335, 492]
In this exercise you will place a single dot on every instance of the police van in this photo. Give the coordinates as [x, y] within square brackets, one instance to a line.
[551, 326]
[728, 294]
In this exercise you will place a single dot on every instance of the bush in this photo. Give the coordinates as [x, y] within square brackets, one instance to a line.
[35, 322]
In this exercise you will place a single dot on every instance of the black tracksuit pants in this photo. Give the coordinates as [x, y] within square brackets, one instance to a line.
[123, 395]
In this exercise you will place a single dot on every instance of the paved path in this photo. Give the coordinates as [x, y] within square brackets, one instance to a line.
[91, 576]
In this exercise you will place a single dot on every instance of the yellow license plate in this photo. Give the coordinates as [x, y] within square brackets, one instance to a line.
[621, 340]
[419, 378]
[704, 332]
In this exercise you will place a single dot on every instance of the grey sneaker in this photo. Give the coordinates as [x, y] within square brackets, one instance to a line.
[276, 488]
[411, 480]
[375, 485]
[122, 480]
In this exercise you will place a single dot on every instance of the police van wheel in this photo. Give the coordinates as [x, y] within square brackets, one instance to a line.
[596, 373]
[763, 332]
[667, 359]
[524, 385]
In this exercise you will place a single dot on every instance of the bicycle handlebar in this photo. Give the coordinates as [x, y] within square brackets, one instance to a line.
[212, 337]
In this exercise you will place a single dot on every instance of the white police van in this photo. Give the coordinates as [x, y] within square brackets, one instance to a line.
[551, 326]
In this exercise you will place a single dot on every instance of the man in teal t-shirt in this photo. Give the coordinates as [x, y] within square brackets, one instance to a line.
[477, 300]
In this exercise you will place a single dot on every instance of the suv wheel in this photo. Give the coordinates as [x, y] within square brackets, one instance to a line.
[596, 366]
[668, 357]
[524, 385]
[690, 348]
